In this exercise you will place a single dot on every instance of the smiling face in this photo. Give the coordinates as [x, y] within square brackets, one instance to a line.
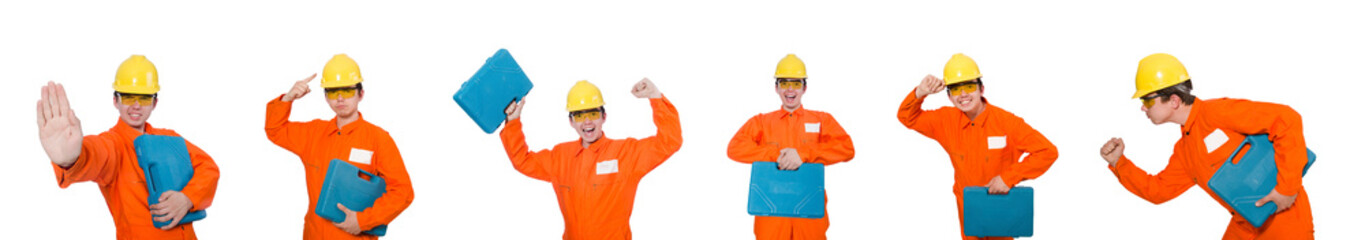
[966, 96]
[131, 108]
[790, 91]
[588, 123]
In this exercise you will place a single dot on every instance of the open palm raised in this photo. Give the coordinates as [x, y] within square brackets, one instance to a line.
[58, 128]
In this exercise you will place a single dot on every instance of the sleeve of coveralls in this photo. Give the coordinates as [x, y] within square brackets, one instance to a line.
[204, 184]
[537, 164]
[745, 146]
[282, 132]
[398, 187]
[1166, 185]
[98, 162]
[654, 150]
[1284, 127]
[1041, 153]
[834, 144]
[924, 122]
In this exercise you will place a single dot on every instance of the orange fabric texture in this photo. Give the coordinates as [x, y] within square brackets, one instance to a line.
[817, 138]
[596, 186]
[109, 159]
[1192, 163]
[317, 142]
[968, 143]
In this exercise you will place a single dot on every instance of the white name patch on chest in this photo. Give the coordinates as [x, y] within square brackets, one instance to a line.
[361, 155]
[606, 167]
[1215, 139]
[995, 142]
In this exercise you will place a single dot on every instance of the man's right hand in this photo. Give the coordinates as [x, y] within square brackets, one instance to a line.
[299, 90]
[930, 85]
[513, 109]
[788, 159]
[58, 128]
[1112, 151]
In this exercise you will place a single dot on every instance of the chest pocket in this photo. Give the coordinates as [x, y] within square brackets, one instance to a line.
[605, 174]
[809, 134]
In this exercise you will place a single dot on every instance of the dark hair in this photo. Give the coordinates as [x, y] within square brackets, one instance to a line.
[1182, 89]
[116, 93]
[358, 86]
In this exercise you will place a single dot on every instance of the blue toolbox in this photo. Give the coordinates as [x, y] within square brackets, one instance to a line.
[782, 193]
[997, 215]
[344, 184]
[1241, 184]
[485, 96]
[165, 162]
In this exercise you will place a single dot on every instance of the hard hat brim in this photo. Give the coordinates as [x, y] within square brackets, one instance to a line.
[583, 107]
[1143, 92]
[951, 81]
[338, 84]
[137, 90]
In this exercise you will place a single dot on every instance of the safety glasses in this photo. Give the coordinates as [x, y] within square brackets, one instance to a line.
[138, 99]
[346, 92]
[586, 115]
[791, 83]
[963, 88]
[1148, 101]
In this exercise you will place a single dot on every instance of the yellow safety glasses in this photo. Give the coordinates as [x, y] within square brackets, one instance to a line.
[139, 99]
[791, 83]
[1148, 101]
[334, 93]
[586, 115]
[963, 88]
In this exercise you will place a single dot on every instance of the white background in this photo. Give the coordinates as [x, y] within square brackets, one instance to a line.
[1065, 67]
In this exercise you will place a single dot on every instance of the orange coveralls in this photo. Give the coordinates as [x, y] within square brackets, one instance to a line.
[110, 160]
[815, 136]
[1193, 163]
[317, 142]
[983, 148]
[596, 186]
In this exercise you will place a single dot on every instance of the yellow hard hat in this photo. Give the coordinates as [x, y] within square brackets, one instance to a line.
[790, 67]
[1159, 71]
[136, 75]
[960, 68]
[341, 71]
[584, 95]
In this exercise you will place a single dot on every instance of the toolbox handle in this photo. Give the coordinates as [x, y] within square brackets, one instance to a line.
[370, 179]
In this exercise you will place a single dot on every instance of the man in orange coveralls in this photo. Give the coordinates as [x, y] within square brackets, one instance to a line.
[110, 160]
[347, 137]
[791, 136]
[1210, 131]
[983, 141]
[595, 177]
